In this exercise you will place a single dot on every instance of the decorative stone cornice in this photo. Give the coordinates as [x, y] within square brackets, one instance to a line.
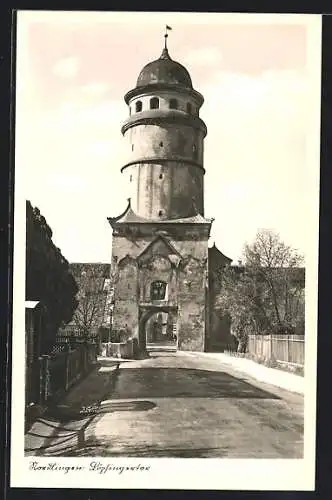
[154, 160]
[154, 88]
[182, 230]
[157, 116]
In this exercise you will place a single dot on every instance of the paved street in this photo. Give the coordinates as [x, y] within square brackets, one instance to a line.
[173, 405]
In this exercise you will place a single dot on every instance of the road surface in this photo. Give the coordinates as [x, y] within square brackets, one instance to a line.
[175, 405]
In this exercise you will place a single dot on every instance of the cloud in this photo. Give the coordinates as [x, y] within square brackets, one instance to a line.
[67, 67]
[83, 149]
[255, 155]
[81, 113]
[205, 56]
[67, 182]
[95, 89]
[270, 106]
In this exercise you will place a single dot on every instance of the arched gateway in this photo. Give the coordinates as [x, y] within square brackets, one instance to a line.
[157, 327]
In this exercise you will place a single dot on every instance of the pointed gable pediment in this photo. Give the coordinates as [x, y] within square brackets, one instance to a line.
[127, 261]
[160, 247]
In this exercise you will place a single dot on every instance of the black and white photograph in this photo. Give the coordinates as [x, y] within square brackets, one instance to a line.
[165, 250]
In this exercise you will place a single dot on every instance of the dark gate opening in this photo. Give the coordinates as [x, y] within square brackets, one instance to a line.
[158, 328]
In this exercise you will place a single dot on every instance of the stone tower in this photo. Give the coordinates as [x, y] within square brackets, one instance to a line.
[160, 241]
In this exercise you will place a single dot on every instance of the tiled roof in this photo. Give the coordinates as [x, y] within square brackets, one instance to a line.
[129, 216]
[97, 269]
[217, 256]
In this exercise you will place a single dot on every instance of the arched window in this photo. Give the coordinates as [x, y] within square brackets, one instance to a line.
[154, 103]
[189, 107]
[173, 104]
[158, 290]
[138, 106]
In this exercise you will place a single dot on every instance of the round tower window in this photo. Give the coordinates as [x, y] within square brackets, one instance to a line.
[160, 176]
[138, 106]
[160, 213]
[173, 104]
[154, 103]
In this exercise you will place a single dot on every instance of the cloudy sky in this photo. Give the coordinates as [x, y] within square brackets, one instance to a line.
[260, 76]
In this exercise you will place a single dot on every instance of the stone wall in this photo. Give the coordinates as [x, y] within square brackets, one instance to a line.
[192, 306]
[220, 337]
[165, 189]
[125, 312]
[165, 141]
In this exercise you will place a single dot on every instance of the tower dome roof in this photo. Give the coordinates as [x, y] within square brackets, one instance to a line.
[166, 71]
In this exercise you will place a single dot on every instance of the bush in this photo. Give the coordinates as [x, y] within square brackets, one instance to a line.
[284, 329]
[123, 335]
[48, 279]
[271, 363]
[115, 336]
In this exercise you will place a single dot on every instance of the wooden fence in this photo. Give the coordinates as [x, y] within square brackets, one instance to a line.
[286, 348]
[54, 374]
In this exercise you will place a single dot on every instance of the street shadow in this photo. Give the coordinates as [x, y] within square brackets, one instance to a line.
[66, 414]
[75, 439]
[158, 382]
[127, 406]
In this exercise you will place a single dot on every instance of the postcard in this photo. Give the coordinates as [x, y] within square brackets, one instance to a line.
[165, 250]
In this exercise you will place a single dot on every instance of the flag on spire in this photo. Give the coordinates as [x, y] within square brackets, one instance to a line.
[168, 28]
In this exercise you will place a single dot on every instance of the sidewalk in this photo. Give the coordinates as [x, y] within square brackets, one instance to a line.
[66, 421]
[278, 378]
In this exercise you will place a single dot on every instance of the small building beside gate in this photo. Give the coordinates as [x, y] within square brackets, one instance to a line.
[33, 333]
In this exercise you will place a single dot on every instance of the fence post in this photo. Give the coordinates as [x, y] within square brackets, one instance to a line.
[83, 357]
[271, 347]
[41, 380]
[44, 386]
[86, 350]
[67, 370]
[288, 349]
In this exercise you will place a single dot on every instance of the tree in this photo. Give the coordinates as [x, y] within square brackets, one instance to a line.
[93, 296]
[48, 278]
[266, 295]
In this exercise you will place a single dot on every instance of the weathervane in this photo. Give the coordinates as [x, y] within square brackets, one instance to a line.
[168, 28]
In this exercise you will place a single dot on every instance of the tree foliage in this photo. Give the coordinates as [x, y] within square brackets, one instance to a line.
[93, 296]
[48, 278]
[266, 294]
